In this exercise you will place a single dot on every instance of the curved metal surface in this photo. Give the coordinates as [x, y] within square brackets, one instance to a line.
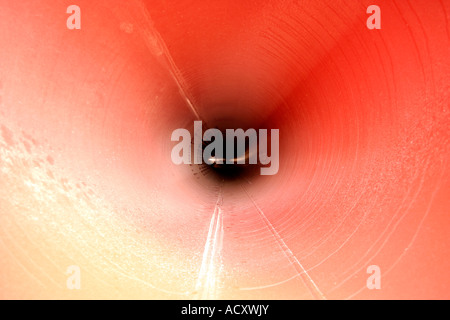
[86, 177]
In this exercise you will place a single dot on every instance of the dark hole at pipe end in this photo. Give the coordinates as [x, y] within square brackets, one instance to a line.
[231, 172]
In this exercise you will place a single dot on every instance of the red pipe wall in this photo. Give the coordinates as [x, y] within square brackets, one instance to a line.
[87, 180]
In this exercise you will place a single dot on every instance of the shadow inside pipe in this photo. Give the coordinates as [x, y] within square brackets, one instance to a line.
[229, 162]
